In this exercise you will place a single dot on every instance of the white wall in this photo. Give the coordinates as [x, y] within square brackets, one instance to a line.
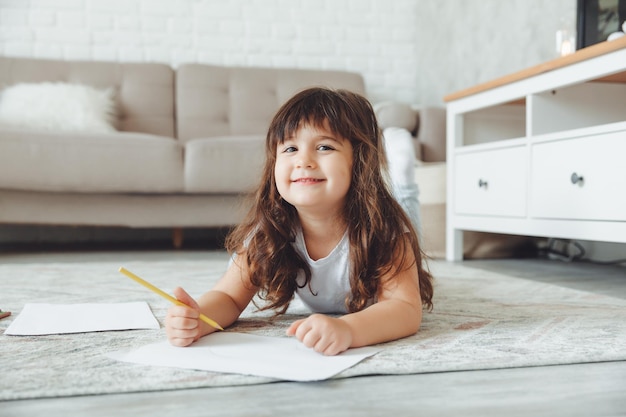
[465, 42]
[414, 51]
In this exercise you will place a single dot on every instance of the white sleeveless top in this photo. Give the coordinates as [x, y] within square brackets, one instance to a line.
[330, 277]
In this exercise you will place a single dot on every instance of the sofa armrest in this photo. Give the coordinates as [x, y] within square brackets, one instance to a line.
[427, 124]
[396, 114]
[432, 133]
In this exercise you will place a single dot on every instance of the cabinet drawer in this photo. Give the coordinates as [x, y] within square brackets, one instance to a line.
[491, 182]
[581, 178]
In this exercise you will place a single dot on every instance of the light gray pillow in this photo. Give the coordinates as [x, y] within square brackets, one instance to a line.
[58, 106]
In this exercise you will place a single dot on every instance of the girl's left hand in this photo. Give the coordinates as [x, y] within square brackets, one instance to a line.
[324, 334]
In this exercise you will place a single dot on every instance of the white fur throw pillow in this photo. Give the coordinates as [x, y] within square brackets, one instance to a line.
[58, 106]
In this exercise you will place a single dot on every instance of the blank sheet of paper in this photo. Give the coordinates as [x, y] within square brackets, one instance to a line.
[275, 357]
[38, 319]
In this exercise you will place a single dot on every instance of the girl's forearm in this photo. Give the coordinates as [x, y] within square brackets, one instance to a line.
[383, 322]
[220, 307]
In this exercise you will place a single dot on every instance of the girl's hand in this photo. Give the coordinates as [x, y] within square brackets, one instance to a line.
[182, 324]
[324, 334]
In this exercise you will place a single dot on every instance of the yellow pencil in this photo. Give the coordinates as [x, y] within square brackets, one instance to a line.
[168, 297]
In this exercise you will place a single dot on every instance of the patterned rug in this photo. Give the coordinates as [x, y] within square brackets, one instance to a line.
[481, 320]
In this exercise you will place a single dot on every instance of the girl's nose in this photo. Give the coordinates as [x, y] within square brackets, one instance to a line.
[305, 160]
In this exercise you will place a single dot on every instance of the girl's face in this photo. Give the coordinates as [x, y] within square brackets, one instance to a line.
[313, 170]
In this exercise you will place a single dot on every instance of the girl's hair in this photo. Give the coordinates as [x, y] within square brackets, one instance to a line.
[378, 228]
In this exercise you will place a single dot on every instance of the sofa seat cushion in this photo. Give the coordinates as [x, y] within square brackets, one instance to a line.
[89, 162]
[228, 164]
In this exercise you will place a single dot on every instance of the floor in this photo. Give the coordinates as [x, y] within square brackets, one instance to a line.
[597, 389]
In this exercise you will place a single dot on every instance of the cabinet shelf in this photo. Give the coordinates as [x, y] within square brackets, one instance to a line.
[495, 123]
[577, 106]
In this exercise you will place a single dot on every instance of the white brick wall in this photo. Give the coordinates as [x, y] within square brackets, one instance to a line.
[414, 51]
[373, 37]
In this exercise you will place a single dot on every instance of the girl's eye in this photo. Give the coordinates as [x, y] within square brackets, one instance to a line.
[325, 148]
[290, 149]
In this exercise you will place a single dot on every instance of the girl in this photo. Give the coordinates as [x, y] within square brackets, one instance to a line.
[324, 225]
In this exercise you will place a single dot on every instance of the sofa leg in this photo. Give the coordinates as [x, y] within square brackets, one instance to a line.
[177, 237]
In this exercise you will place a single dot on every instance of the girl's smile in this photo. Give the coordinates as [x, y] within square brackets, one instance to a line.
[306, 181]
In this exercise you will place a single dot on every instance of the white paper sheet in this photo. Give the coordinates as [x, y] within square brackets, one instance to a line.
[37, 319]
[276, 357]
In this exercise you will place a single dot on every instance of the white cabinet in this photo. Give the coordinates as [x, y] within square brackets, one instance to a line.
[541, 152]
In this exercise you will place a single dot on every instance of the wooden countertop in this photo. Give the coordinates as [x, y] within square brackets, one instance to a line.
[580, 55]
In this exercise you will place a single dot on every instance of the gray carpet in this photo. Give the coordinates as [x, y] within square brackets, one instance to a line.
[481, 320]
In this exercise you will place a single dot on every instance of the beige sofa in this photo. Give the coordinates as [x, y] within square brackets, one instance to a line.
[188, 143]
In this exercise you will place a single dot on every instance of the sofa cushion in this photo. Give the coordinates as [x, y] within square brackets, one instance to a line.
[144, 91]
[216, 101]
[224, 164]
[89, 162]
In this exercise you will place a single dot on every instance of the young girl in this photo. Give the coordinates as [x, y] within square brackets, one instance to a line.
[325, 226]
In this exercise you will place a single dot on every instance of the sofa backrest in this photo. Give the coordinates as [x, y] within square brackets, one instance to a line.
[144, 91]
[214, 101]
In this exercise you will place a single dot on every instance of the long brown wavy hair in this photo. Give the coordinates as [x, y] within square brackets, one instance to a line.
[376, 222]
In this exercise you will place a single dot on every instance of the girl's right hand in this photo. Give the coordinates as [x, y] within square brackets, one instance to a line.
[182, 324]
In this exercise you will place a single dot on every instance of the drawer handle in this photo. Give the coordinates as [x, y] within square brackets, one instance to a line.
[577, 179]
[482, 183]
